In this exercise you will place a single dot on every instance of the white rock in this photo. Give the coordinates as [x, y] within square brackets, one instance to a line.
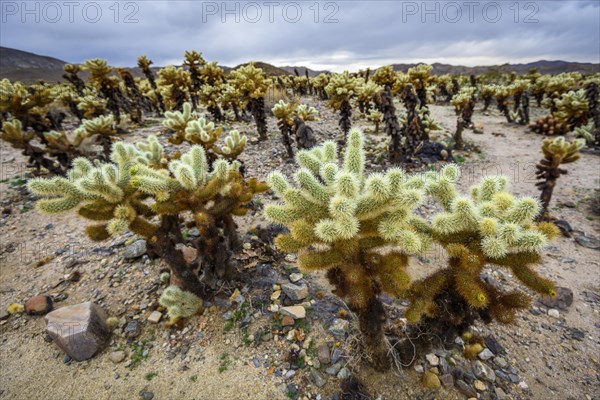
[296, 312]
[433, 359]
[155, 317]
[486, 354]
[554, 313]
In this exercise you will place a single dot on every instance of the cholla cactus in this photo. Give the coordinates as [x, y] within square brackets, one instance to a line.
[376, 117]
[108, 86]
[70, 75]
[319, 83]
[503, 94]
[306, 113]
[586, 132]
[179, 303]
[230, 98]
[549, 125]
[91, 106]
[252, 83]
[556, 86]
[194, 62]
[341, 89]
[210, 96]
[144, 63]
[339, 218]
[572, 108]
[197, 130]
[556, 152]
[464, 105]
[284, 112]
[487, 94]
[366, 94]
[128, 192]
[102, 128]
[173, 84]
[490, 226]
[385, 76]
[420, 77]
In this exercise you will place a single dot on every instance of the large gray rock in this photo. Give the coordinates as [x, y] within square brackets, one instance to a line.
[135, 249]
[295, 292]
[79, 330]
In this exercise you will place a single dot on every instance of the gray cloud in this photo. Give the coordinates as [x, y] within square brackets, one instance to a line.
[341, 35]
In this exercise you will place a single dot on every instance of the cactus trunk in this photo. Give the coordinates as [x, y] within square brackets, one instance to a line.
[371, 322]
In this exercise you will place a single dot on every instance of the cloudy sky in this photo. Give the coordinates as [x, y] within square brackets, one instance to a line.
[334, 35]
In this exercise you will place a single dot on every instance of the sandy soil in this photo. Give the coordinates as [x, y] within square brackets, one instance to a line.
[538, 347]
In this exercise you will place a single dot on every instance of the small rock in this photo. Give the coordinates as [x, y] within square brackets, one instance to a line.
[38, 305]
[155, 317]
[79, 330]
[295, 277]
[117, 356]
[336, 355]
[492, 344]
[146, 395]
[486, 354]
[523, 386]
[4, 314]
[447, 380]
[501, 362]
[465, 389]
[296, 312]
[73, 276]
[431, 380]
[316, 378]
[323, 354]
[432, 359]
[189, 254]
[562, 300]
[338, 328]
[295, 292]
[588, 241]
[135, 250]
[132, 329]
[500, 394]
[344, 374]
[554, 313]
[419, 368]
[484, 372]
[479, 386]
[287, 321]
[334, 369]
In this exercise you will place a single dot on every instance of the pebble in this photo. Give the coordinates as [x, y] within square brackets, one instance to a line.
[486, 354]
[500, 394]
[523, 386]
[295, 277]
[447, 380]
[336, 355]
[132, 329]
[501, 362]
[479, 386]
[465, 389]
[432, 359]
[419, 368]
[344, 374]
[554, 313]
[287, 321]
[316, 378]
[146, 395]
[155, 317]
[484, 372]
[38, 305]
[431, 380]
[117, 356]
[296, 312]
[323, 354]
[338, 328]
[334, 369]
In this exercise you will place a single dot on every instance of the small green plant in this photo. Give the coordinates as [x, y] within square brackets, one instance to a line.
[224, 362]
[150, 375]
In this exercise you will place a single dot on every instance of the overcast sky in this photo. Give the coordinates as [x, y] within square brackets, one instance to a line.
[334, 35]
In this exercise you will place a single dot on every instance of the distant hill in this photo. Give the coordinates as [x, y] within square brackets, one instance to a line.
[269, 69]
[301, 70]
[18, 65]
[543, 67]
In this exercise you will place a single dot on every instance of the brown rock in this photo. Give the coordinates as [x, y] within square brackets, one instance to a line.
[287, 321]
[79, 330]
[431, 380]
[38, 305]
[189, 254]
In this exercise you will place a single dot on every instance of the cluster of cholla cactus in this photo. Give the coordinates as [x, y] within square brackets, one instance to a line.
[101, 130]
[70, 75]
[572, 108]
[30, 105]
[252, 83]
[487, 95]
[448, 86]
[420, 77]
[341, 89]
[464, 105]
[338, 217]
[190, 128]
[179, 303]
[556, 86]
[173, 84]
[362, 229]
[549, 125]
[556, 152]
[108, 86]
[291, 120]
[137, 185]
[194, 62]
[490, 226]
[319, 83]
